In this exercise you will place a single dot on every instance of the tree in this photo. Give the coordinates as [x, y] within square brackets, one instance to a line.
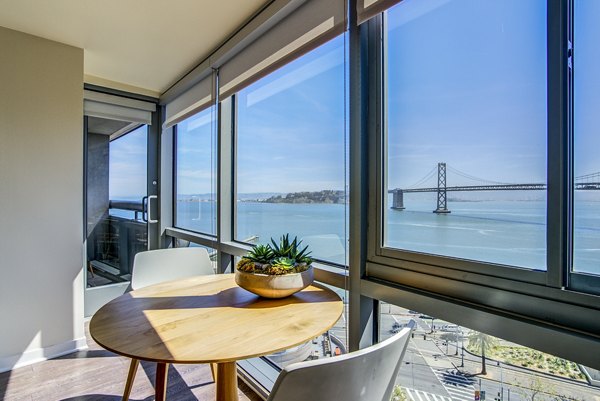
[399, 394]
[481, 343]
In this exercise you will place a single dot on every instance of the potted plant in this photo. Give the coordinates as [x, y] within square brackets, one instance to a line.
[275, 270]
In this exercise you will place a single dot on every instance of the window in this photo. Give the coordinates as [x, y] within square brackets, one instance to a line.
[331, 343]
[128, 170]
[290, 154]
[586, 239]
[444, 359]
[196, 174]
[479, 93]
[466, 130]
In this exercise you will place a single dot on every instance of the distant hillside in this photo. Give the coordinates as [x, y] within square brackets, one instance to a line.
[325, 196]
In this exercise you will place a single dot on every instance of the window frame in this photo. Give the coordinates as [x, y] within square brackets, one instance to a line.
[175, 130]
[577, 281]
[325, 265]
[541, 309]
[472, 290]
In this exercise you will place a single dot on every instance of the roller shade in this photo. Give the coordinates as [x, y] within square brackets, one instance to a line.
[310, 25]
[190, 102]
[366, 9]
[96, 104]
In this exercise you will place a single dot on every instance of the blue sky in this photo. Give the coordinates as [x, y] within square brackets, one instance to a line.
[128, 168]
[587, 86]
[196, 154]
[466, 86]
[291, 126]
[470, 92]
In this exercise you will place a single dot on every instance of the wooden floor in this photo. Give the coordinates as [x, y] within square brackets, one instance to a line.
[97, 374]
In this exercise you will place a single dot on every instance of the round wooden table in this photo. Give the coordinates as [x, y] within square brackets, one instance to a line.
[209, 319]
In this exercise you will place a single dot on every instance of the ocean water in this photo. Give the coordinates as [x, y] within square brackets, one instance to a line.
[504, 232]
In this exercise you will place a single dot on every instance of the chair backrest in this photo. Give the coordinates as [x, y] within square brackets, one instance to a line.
[153, 267]
[365, 375]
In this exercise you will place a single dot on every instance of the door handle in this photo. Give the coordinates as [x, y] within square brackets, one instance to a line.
[150, 220]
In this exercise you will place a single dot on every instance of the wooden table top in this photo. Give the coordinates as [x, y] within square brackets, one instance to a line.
[210, 319]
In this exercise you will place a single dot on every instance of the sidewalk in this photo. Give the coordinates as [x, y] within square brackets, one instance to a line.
[432, 354]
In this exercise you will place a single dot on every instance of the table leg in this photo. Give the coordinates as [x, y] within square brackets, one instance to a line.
[161, 381]
[227, 382]
[130, 376]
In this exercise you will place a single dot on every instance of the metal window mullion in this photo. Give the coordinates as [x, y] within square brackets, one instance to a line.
[378, 86]
[559, 170]
[224, 178]
[362, 319]
[153, 174]
[173, 131]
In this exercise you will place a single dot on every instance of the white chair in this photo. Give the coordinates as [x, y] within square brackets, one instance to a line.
[153, 267]
[365, 375]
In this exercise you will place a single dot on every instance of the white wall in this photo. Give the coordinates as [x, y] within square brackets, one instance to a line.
[41, 186]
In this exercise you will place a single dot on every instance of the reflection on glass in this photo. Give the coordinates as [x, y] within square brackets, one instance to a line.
[331, 343]
[586, 240]
[444, 359]
[116, 187]
[195, 174]
[466, 122]
[291, 154]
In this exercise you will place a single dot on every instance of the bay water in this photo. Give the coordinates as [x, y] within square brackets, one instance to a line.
[506, 232]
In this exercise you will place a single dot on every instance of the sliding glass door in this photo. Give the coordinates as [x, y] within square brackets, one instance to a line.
[120, 196]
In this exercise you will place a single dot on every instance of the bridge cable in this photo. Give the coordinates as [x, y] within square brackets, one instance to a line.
[427, 176]
[474, 178]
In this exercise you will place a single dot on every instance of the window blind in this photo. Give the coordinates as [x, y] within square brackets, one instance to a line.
[96, 104]
[197, 98]
[310, 25]
[366, 9]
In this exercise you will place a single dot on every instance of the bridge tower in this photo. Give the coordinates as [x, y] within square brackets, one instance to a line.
[398, 199]
[442, 205]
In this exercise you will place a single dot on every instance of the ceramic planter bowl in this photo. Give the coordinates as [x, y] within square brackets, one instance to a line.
[271, 286]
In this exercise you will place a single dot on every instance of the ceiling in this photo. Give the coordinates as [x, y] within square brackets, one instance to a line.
[139, 45]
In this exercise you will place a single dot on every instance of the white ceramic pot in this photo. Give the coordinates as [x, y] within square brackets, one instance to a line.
[272, 286]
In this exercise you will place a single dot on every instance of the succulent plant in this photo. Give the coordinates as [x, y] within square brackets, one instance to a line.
[283, 262]
[280, 258]
[288, 249]
[260, 253]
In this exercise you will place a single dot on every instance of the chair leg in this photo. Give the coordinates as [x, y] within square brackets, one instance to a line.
[213, 370]
[130, 376]
[161, 381]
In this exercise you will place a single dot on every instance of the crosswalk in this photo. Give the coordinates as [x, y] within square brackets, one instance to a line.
[418, 395]
[458, 386]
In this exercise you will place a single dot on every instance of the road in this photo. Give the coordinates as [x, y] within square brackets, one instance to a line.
[432, 370]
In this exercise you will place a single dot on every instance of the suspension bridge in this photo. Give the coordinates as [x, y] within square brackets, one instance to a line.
[589, 182]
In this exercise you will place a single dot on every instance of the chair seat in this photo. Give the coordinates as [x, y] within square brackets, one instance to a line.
[365, 375]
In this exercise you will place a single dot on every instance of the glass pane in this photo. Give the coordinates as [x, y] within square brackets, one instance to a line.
[116, 187]
[586, 240]
[466, 122]
[291, 154]
[331, 343]
[212, 252]
[443, 361]
[195, 174]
